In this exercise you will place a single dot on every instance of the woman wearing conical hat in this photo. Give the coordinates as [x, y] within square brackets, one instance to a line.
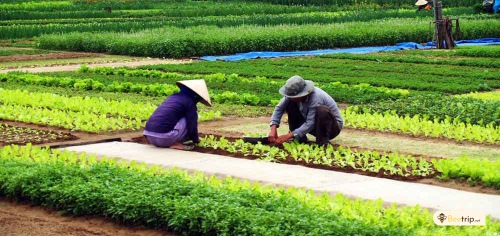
[423, 4]
[175, 121]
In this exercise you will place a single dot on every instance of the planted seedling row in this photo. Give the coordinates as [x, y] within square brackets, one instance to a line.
[22, 135]
[78, 113]
[389, 165]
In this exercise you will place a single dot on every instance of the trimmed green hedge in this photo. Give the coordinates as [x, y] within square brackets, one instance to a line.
[203, 40]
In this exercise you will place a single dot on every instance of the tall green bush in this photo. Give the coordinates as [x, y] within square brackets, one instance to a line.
[201, 41]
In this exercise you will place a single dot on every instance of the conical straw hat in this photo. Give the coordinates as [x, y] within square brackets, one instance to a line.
[199, 87]
[421, 2]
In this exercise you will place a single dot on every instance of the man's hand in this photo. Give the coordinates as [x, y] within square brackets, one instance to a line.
[283, 138]
[273, 134]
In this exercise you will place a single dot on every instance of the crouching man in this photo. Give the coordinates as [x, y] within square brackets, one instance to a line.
[310, 110]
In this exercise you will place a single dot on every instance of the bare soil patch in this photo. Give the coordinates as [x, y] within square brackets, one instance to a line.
[76, 137]
[10, 134]
[21, 219]
[76, 66]
[55, 55]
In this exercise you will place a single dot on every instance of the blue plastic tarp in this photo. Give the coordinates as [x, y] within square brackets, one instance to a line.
[359, 50]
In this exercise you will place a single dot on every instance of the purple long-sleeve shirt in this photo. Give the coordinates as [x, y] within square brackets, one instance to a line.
[166, 116]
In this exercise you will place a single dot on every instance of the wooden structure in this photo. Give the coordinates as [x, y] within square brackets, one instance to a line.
[443, 28]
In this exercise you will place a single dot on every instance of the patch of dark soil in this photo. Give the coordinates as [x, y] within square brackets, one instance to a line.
[21, 219]
[10, 134]
[141, 140]
[80, 136]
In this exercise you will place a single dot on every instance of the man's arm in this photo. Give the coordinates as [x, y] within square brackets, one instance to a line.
[273, 134]
[278, 112]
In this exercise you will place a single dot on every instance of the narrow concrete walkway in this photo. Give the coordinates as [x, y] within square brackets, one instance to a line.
[111, 64]
[351, 185]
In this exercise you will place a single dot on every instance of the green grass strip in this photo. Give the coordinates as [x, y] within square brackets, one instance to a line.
[10, 52]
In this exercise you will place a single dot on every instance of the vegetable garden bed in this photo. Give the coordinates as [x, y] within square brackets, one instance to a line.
[359, 161]
[10, 134]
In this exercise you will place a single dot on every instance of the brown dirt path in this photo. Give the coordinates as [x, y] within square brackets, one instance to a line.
[74, 67]
[18, 219]
[52, 55]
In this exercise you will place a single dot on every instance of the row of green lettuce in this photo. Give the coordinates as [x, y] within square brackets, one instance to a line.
[232, 89]
[96, 115]
[449, 79]
[257, 17]
[175, 42]
[223, 88]
[473, 170]
[42, 11]
[172, 200]
[471, 56]
[370, 98]
[88, 114]
[396, 3]
[159, 4]
[32, 28]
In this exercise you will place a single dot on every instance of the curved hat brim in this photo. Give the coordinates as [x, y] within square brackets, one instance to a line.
[307, 90]
[421, 2]
[199, 87]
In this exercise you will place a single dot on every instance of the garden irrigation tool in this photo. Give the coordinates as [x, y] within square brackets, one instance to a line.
[256, 139]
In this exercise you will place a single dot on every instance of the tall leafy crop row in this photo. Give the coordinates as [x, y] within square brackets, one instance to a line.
[68, 6]
[173, 200]
[388, 3]
[416, 76]
[200, 41]
[35, 5]
[19, 29]
[266, 88]
[324, 70]
[469, 110]
[429, 58]
[155, 89]
[171, 9]
[175, 17]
